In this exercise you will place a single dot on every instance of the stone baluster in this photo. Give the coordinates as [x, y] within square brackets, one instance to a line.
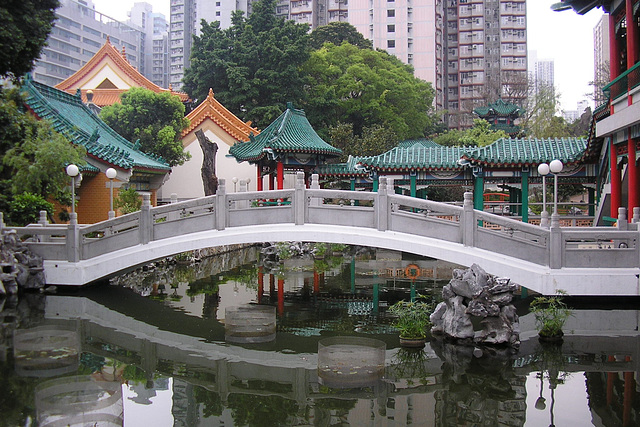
[222, 209]
[315, 185]
[174, 214]
[467, 221]
[146, 220]
[556, 249]
[242, 204]
[299, 207]
[622, 223]
[382, 205]
[636, 215]
[43, 222]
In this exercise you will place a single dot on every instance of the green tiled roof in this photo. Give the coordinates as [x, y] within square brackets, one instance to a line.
[351, 168]
[291, 132]
[73, 119]
[527, 151]
[416, 157]
[500, 108]
[420, 142]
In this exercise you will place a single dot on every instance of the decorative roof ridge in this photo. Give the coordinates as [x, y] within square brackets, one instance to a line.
[213, 109]
[108, 50]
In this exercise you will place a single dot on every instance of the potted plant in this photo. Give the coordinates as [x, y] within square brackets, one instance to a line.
[412, 321]
[550, 314]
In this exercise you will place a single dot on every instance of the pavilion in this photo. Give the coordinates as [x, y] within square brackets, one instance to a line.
[502, 115]
[288, 143]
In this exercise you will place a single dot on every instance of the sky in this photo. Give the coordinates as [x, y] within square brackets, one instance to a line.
[565, 37]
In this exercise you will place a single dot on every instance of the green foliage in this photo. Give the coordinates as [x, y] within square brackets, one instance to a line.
[412, 317]
[253, 67]
[34, 155]
[337, 33]
[410, 363]
[155, 119]
[128, 201]
[25, 209]
[283, 250]
[373, 140]
[26, 24]
[366, 87]
[550, 313]
[259, 410]
[479, 135]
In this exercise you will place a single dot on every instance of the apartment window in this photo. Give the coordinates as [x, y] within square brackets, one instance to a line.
[391, 13]
[391, 44]
[391, 28]
[217, 4]
[218, 13]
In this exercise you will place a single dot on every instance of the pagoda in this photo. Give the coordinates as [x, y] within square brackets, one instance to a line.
[288, 143]
[502, 116]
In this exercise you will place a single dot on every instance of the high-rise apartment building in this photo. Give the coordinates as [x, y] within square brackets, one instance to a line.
[153, 63]
[78, 32]
[404, 28]
[484, 55]
[600, 59]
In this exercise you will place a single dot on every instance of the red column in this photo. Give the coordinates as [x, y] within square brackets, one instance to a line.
[615, 181]
[280, 175]
[614, 52]
[280, 296]
[259, 178]
[260, 284]
[272, 286]
[627, 401]
[316, 282]
[632, 177]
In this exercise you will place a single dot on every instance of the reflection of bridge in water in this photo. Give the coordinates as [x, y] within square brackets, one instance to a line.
[145, 334]
[580, 260]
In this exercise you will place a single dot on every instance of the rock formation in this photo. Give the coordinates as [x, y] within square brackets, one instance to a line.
[20, 267]
[472, 293]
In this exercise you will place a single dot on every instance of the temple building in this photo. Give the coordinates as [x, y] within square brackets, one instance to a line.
[288, 143]
[105, 149]
[224, 129]
[502, 116]
[107, 75]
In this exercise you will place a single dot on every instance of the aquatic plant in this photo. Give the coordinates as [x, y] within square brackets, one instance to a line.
[550, 313]
[412, 317]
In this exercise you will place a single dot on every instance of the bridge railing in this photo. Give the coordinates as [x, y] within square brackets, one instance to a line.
[384, 210]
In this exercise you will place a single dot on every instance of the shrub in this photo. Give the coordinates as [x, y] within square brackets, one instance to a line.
[25, 208]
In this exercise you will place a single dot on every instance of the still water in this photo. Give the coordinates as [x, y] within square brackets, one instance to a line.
[156, 347]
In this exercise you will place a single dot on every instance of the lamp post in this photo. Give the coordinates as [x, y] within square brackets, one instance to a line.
[556, 167]
[235, 182]
[543, 169]
[73, 171]
[111, 173]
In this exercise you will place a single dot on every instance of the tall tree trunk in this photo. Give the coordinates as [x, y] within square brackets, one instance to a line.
[208, 171]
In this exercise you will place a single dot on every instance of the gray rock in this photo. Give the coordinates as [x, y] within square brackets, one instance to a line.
[455, 321]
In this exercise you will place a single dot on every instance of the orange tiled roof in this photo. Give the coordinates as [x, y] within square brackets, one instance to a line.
[104, 97]
[210, 108]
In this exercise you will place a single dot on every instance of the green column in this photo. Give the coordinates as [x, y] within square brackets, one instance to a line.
[353, 188]
[478, 192]
[376, 296]
[513, 199]
[414, 180]
[592, 201]
[353, 275]
[525, 196]
[375, 184]
[413, 291]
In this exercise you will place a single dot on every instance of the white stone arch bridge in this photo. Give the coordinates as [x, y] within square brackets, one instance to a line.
[580, 260]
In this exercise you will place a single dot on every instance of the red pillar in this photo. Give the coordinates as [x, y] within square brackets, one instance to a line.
[260, 284]
[614, 52]
[280, 296]
[280, 175]
[627, 401]
[272, 286]
[632, 177]
[259, 178]
[316, 282]
[615, 181]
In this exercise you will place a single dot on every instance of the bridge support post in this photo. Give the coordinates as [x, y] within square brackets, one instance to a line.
[146, 224]
[221, 205]
[467, 220]
[555, 246]
[73, 238]
[315, 185]
[382, 205]
[299, 205]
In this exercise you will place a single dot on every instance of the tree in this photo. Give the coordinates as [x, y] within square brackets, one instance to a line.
[480, 135]
[540, 110]
[155, 119]
[366, 87]
[337, 33]
[253, 67]
[35, 155]
[374, 140]
[26, 24]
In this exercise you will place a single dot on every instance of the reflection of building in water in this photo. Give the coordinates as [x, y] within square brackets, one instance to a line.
[614, 397]
[144, 392]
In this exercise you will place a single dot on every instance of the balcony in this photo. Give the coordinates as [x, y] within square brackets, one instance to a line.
[624, 83]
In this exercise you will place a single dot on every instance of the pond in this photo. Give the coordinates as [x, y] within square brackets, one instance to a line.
[189, 345]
